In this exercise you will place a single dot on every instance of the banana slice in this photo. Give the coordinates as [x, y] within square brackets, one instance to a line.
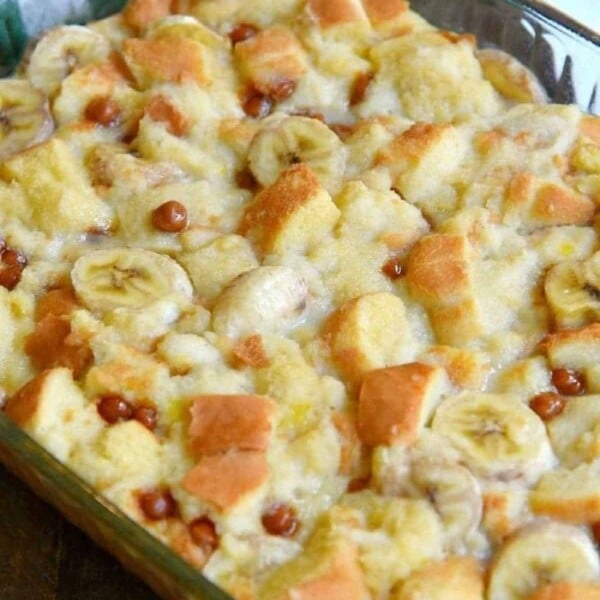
[498, 435]
[262, 300]
[128, 277]
[540, 553]
[573, 292]
[60, 52]
[187, 27]
[25, 118]
[511, 78]
[284, 141]
[454, 493]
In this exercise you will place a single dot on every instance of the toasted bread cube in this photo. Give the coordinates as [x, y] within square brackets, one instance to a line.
[290, 214]
[48, 407]
[369, 332]
[421, 157]
[455, 578]
[226, 479]
[333, 14]
[395, 403]
[58, 196]
[568, 495]
[466, 368]
[439, 274]
[328, 569]
[531, 202]
[172, 59]
[218, 263]
[435, 78]
[574, 348]
[380, 215]
[123, 458]
[589, 128]
[567, 590]
[226, 422]
[270, 58]
[527, 377]
[138, 14]
[394, 17]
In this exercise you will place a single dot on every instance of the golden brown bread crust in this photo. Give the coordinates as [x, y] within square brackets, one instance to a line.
[225, 479]
[393, 403]
[170, 59]
[329, 13]
[140, 13]
[438, 269]
[270, 58]
[382, 11]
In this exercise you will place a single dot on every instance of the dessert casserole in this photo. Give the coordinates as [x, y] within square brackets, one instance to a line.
[310, 290]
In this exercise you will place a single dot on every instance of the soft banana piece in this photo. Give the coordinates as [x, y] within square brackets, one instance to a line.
[573, 291]
[128, 277]
[498, 435]
[263, 300]
[25, 118]
[454, 493]
[60, 52]
[542, 552]
[284, 141]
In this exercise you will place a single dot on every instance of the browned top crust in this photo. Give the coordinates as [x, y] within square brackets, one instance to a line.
[329, 13]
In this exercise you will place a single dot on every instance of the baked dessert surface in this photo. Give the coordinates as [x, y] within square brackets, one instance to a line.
[310, 290]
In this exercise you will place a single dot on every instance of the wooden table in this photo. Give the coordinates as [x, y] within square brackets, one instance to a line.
[43, 557]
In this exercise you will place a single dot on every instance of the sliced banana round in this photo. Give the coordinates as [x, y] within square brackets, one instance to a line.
[186, 26]
[263, 300]
[510, 77]
[284, 141]
[60, 52]
[542, 552]
[128, 277]
[573, 292]
[454, 493]
[25, 118]
[497, 434]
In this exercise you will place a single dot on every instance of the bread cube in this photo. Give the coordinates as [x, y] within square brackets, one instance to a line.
[422, 157]
[226, 422]
[455, 578]
[395, 403]
[369, 332]
[270, 58]
[531, 202]
[53, 410]
[138, 14]
[227, 479]
[172, 59]
[218, 263]
[290, 214]
[58, 196]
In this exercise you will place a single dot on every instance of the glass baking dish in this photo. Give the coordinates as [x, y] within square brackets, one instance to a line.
[562, 53]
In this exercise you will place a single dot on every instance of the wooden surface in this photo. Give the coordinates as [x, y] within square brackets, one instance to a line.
[43, 557]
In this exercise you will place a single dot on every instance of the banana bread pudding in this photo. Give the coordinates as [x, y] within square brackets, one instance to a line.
[310, 289]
